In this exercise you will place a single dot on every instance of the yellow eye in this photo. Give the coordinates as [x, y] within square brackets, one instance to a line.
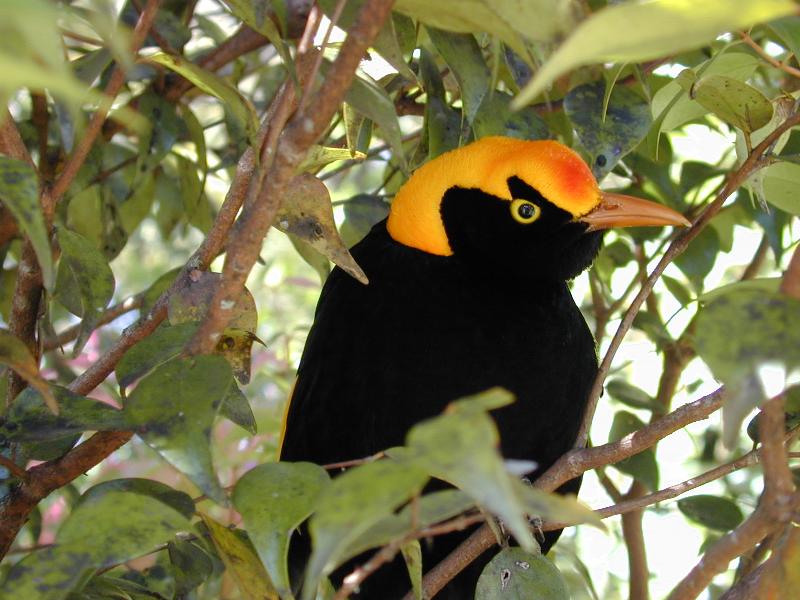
[525, 212]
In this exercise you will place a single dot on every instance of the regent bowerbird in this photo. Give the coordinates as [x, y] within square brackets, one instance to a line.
[467, 290]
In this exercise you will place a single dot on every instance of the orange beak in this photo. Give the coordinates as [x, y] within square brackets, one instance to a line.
[618, 210]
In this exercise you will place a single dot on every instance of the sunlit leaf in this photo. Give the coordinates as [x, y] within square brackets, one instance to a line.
[651, 30]
[734, 102]
[241, 562]
[273, 499]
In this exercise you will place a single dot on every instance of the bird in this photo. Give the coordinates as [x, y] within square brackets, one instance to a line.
[468, 289]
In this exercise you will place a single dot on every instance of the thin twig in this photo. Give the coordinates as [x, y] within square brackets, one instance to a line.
[13, 468]
[110, 314]
[767, 57]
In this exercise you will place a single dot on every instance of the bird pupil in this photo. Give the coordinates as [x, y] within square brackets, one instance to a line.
[526, 211]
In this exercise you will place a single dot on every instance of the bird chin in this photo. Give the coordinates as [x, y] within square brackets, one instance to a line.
[578, 256]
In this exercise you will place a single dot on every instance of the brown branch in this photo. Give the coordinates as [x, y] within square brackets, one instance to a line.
[755, 264]
[13, 468]
[766, 56]
[790, 284]
[633, 534]
[110, 314]
[568, 467]
[679, 244]
[302, 131]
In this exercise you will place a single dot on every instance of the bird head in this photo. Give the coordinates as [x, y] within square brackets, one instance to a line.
[530, 205]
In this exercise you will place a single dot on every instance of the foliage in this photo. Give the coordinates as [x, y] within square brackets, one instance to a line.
[110, 287]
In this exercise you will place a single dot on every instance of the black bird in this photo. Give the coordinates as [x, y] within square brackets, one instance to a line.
[468, 290]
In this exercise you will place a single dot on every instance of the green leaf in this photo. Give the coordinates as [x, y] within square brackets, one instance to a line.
[273, 499]
[19, 192]
[173, 410]
[678, 290]
[464, 57]
[651, 30]
[191, 565]
[607, 135]
[108, 529]
[430, 509]
[257, 15]
[372, 101]
[84, 284]
[443, 124]
[642, 466]
[236, 408]
[361, 212]
[495, 117]
[699, 257]
[15, 354]
[412, 556]
[163, 344]
[631, 395]
[734, 102]
[28, 419]
[460, 447]
[737, 333]
[788, 30]
[467, 16]
[515, 573]
[714, 512]
[351, 504]
[779, 183]
[744, 328]
[166, 128]
[241, 562]
[241, 108]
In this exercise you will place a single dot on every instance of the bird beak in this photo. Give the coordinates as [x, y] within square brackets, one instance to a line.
[618, 210]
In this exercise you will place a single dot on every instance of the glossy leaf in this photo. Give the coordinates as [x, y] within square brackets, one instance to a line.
[84, 284]
[19, 193]
[273, 499]
[463, 55]
[607, 135]
[714, 512]
[172, 410]
[351, 504]
[642, 466]
[241, 108]
[651, 30]
[241, 562]
[515, 573]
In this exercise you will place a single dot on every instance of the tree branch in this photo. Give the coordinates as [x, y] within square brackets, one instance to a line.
[302, 131]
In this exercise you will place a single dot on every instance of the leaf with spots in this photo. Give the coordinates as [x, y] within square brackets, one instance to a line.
[515, 573]
[163, 344]
[739, 332]
[241, 561]
[273, 499]
[350, 505]
[102, 530]
[19, 193]
[495, 117]
[173, 409]
[29, 419]
[84, 284]
[733, 101]
[607, 133]
[460, 447]
[307, 214]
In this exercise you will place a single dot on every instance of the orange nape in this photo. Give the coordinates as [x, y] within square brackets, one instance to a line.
[555, 171]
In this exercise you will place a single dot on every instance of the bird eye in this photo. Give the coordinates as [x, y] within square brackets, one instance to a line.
[525, 212]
